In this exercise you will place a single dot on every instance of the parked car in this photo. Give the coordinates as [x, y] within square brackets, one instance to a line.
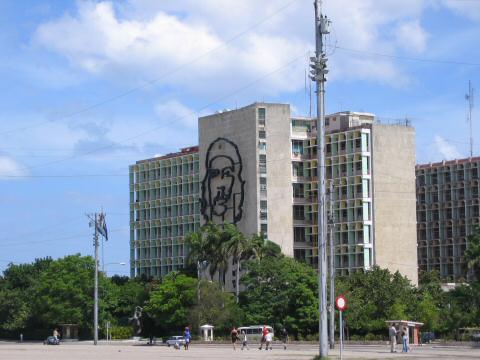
[172, 340]
[428, 337]
[51, 340]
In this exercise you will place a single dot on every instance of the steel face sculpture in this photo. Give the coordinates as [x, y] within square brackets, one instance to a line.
[223, 186]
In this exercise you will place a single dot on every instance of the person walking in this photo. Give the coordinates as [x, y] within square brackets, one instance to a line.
[392, 334]
[187, 337]
[268, 340]
[284, 338]
[234, 336]
[244, 340]
[404, 341]
[264, 334]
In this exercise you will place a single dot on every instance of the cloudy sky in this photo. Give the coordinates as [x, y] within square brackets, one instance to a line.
[89, 87]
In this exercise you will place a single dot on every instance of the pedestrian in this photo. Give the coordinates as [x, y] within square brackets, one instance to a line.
[244, 340]
[234, 336]
[56, 335]
[264, 334]
[187, 336]
[392, 334]
[404, 341]
[268, 340]
[284, 338]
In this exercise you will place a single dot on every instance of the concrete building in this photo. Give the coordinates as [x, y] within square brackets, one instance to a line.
[257, 169]
[370, 168]
[448, 209]
[164, 206]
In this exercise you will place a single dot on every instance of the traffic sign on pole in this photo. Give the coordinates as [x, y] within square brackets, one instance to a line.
[341, 303]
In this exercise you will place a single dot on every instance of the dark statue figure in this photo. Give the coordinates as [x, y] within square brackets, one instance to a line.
[135, 320]
[223, 186]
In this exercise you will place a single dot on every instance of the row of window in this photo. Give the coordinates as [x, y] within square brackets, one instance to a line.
[447, 176]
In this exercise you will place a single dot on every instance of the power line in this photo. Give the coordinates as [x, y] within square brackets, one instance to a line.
[63, 176]
[59, 239]
[406, 58]
[143, 133]
[161, 77]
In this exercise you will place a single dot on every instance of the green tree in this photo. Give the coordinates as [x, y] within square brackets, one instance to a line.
[170, 302]
[374, 297]
[239, 248]
[281, 292]
[472, 253]
[428, 313]
[216, 308]
[64, 292]
[16, 293]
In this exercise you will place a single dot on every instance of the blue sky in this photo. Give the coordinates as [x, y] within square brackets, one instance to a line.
[89, 87]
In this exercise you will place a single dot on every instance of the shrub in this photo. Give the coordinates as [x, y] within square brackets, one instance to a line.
[121, 332]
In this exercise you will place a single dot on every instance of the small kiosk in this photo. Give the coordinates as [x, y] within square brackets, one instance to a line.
[207, 332]
[412, 329]
[69, 332]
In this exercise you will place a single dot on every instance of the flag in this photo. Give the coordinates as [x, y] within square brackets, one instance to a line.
[101, 226]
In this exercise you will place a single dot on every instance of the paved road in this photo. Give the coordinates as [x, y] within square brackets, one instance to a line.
[128, 351]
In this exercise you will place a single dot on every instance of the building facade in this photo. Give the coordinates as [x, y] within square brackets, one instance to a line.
[256, 168]
[371, 184]
[448, 209]
[164, 207]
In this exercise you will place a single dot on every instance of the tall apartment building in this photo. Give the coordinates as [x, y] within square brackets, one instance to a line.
[448, 209]
[370, 170]
[256, 168]
[164, 207]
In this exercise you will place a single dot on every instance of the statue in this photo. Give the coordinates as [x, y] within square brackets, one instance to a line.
[135, 320]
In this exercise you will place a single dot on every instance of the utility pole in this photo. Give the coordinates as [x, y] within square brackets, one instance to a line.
[331, 221]
[319, 66]
[469, 98]
[93, 222]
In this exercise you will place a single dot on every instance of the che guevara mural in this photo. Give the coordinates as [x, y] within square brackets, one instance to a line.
[223, 187]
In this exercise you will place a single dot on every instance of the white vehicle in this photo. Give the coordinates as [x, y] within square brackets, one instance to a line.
[172, 340]
[254, 332]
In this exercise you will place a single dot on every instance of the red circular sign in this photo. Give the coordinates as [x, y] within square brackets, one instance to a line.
[341, 303]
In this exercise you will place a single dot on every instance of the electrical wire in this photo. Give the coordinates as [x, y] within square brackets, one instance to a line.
[161, 77]
[156, 128]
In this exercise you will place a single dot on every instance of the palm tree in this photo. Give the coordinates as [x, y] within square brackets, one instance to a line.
[261, 247]
[238, 248]
[198, 253]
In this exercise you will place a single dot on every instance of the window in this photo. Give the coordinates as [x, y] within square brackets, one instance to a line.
[264, 229]
[263, 184]
[298, 212]
[262, 134]
[263, 163]
[261, 114]
[297, 169]
[298, 190]
[297, 147]
[263, 204]
[299, 234]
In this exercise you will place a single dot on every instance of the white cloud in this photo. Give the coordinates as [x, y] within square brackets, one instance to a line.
[469, 9]
[175, 112]
[448, 151]
[10, 168]
[411, 36]
[150, 38]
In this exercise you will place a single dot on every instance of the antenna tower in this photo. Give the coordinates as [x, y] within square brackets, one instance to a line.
[469, 98]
